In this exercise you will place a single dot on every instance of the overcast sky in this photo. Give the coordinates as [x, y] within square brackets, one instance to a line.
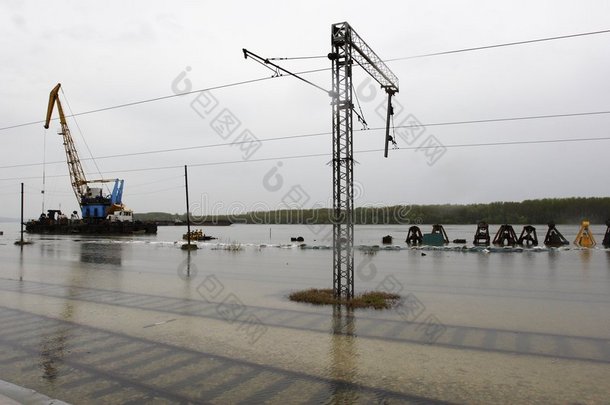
[115, 52]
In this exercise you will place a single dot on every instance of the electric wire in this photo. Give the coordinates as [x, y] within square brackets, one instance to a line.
[243, 82]
[361, 114]
[276, 73]
[393, 138]
[44, 167]
[149, 100]
[163, 180]
[490, 120]
[479, 48]
[279, 69]
[157, 191]
[327, 154]
[487, 144]
[82, 136]
[300, 57]
[316, 134]
[179, 149]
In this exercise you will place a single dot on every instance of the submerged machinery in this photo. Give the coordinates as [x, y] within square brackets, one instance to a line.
[585, 238]
[528, 236]
[414, 236]
[505, 236]
[554, 238]
[437, 237]
[481, 235]
[438, 229]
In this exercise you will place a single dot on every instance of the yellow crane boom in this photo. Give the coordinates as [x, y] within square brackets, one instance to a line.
[93, 204]
[77, 175]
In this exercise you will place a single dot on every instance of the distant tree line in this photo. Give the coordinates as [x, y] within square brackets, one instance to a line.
[557, 210]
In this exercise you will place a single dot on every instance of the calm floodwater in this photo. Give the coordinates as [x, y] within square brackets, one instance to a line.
[114, 320]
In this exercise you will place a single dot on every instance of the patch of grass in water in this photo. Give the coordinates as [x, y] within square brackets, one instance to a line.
[367, 299]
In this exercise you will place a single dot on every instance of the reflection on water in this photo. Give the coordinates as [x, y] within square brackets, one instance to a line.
[188, 264]
[343, 355]
[552, 272]
[21, 263]
[483, 265]
[553, 259]
[585, 259]
[187, 269]
[53, 343]
[53, 346]
[49, 251]
[101, 253]
[507, 262]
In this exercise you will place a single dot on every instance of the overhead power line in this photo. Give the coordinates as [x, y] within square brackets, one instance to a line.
[243, 82]
[316, 134]
[327, 154]
[480, 48]
[522, 118]
[83, 138]
[149, 100]
[300, 57]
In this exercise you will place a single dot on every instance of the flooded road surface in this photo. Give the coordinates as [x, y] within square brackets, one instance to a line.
[120, 320]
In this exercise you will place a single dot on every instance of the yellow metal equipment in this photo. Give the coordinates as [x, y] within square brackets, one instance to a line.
[585, 238]
[77, 175]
